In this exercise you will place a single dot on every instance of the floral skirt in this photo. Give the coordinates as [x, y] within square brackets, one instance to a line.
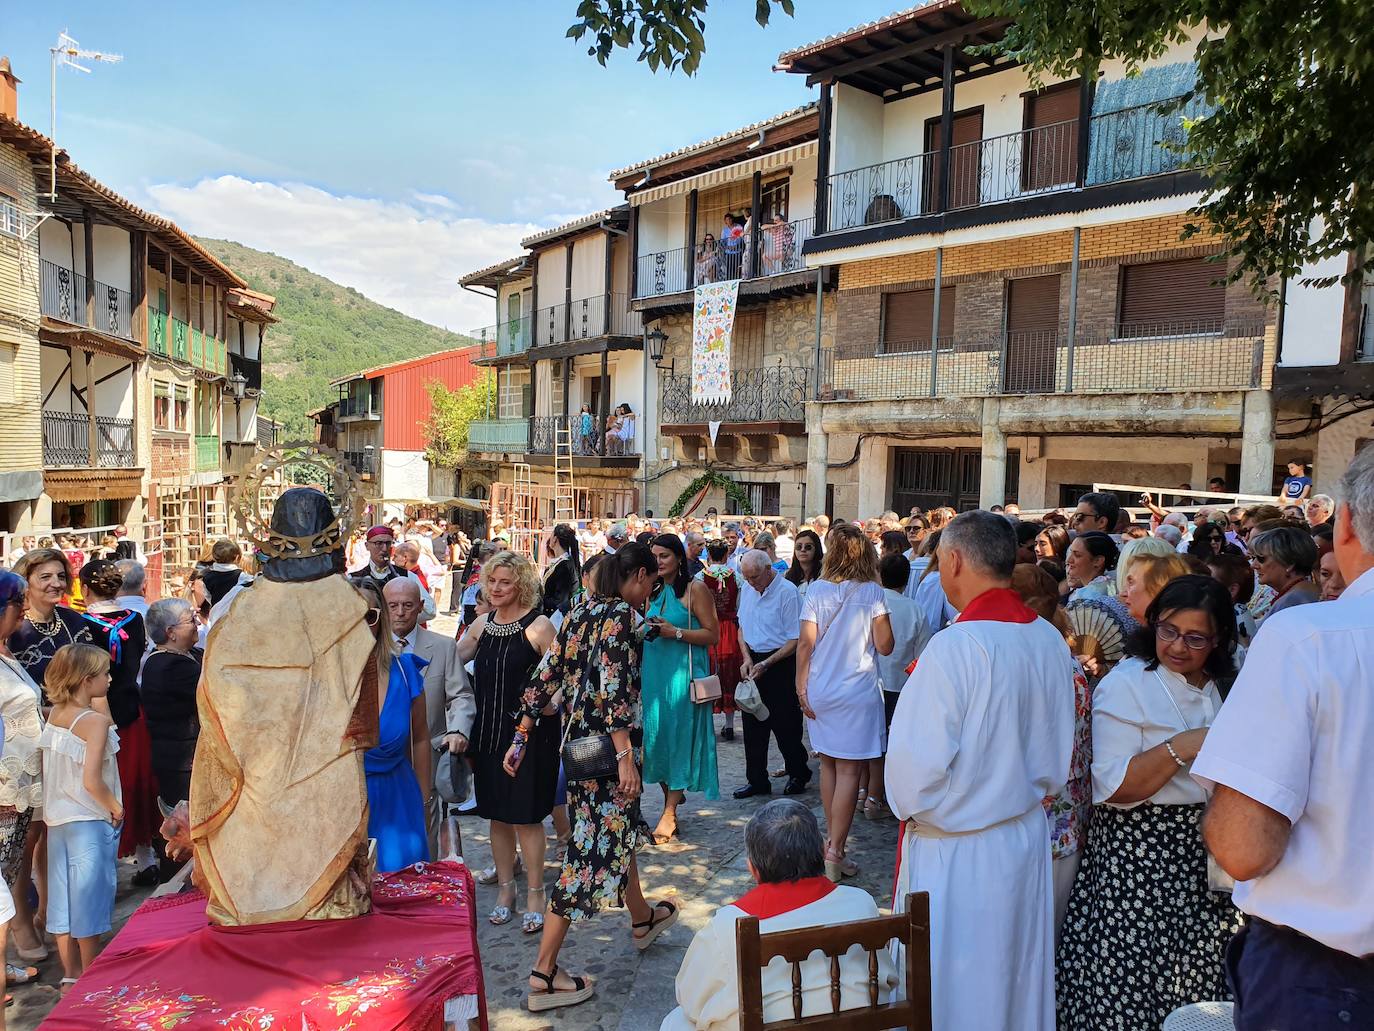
[14, 830]
[605, 837]
[1144, 935]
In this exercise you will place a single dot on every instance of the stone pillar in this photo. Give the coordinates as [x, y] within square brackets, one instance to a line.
[817, 459]
[1257, 444]
[873, 479]
[992, 482]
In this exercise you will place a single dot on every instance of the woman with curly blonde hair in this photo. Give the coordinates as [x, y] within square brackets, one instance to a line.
[505, 646]
[844, 628]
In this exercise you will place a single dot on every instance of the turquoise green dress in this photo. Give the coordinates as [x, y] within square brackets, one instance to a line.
[679, 736]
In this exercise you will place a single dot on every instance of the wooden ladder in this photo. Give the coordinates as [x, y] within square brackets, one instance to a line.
[564, 503]
[524, 510]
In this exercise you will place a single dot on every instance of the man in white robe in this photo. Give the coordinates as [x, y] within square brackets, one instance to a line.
[982, 733]
[787, 859]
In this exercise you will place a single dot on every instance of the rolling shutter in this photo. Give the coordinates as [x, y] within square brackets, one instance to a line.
[965, 162]
[1051, 154]
[1032, 335]
[1033, 304]
[907, 319]
[1168, 298]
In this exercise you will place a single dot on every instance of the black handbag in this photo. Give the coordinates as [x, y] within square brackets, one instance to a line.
[592, 757]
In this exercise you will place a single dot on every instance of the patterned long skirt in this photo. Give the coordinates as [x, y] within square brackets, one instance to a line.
[727, 656]
[605, 838]
[1144, 934]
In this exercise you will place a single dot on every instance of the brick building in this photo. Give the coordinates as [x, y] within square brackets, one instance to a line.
[1017, 315]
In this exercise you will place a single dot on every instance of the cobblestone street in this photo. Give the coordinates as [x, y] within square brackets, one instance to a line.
[700, 873]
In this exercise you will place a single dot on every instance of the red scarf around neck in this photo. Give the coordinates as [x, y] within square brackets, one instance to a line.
[767, 900]
[998, 605]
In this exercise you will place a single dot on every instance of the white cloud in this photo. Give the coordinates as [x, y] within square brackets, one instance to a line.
[406, 256]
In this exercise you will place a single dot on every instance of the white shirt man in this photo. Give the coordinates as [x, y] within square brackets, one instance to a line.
[450, 705]
[131, 590]
[987, 729]
[769, 623]
[1289, 755]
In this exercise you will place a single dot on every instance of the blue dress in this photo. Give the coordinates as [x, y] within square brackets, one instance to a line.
[395, 807]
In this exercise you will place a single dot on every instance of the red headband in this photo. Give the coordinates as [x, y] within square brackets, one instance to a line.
[378, 531]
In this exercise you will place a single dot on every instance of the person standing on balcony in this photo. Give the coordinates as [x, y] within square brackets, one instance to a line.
[380, 570]
[731, 240]
[707, 261]
[612, 437]
[586, 430]
[627, 431]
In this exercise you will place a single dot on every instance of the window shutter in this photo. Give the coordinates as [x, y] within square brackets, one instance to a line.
[1172, 297]
[907, 319]
[1033, 304]
[1051, 154]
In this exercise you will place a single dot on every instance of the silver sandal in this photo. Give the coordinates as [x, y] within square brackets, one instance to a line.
[502, 914]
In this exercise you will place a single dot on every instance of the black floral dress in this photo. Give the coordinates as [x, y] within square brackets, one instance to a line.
[605, 823]
[34, 645]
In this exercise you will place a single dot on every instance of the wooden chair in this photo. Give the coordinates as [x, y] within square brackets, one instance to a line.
[911, 928]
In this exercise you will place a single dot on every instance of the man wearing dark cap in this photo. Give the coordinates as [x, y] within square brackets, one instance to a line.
[380, 570]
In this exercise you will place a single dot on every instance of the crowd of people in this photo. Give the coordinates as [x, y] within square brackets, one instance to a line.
[1034, 698]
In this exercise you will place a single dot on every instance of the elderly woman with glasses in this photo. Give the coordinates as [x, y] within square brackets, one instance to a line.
[1145, 933]
[170, 676]
[1284, 558]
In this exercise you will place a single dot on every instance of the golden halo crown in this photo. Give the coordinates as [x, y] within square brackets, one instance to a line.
[336, 479]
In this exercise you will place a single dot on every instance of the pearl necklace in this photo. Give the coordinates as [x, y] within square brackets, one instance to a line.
[50, 629]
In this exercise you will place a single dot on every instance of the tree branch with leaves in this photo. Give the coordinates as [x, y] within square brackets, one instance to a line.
[451, 412]
[670, 34]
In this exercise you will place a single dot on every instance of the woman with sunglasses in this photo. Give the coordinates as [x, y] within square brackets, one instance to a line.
[1209, 540]
[1145, 934]
[808, 555]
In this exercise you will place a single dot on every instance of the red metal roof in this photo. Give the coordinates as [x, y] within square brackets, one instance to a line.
[405, 399]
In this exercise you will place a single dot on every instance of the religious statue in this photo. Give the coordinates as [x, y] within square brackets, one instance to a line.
[288, 704]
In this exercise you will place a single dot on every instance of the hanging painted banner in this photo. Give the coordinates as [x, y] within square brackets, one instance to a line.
[713, 323]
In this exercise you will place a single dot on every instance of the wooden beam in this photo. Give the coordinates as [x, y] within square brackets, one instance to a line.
[952, 36]
[138, 282]
[92, 434]
[977, 73]
[755, 220]
[567, 292]
[691, 255]
[634, 250]
[1087, 86]
[605, 400]
[88, 225]
[823, 163]
[946, 125]
[609, 293]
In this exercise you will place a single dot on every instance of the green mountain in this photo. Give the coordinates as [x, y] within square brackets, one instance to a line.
[326, 331]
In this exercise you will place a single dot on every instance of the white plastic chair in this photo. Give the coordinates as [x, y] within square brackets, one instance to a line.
[1201, 1016]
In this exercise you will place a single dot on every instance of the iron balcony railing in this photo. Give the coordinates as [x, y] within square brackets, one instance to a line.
[364, 462]
[1112, 359]
[779, 247]
[358, 406]
[585, 319]
[67, 441]
[1132, 143]
[510, 337]
[773, 393]
[543, 438]
[503, 435]
[63, 296]
[115, 439]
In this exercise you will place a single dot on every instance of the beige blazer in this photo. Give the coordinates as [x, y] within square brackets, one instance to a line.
[450, 705]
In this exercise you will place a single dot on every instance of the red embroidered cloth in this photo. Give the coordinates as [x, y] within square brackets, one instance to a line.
[392, 970]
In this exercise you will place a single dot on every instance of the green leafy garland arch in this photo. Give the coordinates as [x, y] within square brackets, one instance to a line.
[713, 478]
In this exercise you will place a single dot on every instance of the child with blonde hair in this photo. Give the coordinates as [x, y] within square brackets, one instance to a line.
[82, 806]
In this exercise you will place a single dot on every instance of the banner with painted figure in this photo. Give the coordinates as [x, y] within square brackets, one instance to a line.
[713, 323]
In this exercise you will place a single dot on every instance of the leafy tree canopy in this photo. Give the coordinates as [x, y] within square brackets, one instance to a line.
[1291, 135]
[451, 412]
[670, 34]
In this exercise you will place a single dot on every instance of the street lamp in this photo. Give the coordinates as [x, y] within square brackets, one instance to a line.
[238, 385]
[656, 340]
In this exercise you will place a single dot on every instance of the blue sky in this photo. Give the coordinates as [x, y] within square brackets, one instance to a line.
[391, 146]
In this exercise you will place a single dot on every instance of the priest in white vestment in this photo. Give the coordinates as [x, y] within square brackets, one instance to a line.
[982, 733]
[786, 858]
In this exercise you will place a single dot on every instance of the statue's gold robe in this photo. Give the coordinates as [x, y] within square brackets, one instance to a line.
[278, 792]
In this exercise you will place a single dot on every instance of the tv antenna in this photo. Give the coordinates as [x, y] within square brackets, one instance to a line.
[68, 52]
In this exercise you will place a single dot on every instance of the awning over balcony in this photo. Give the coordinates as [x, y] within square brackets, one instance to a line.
[53, 331]
[729, 174]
